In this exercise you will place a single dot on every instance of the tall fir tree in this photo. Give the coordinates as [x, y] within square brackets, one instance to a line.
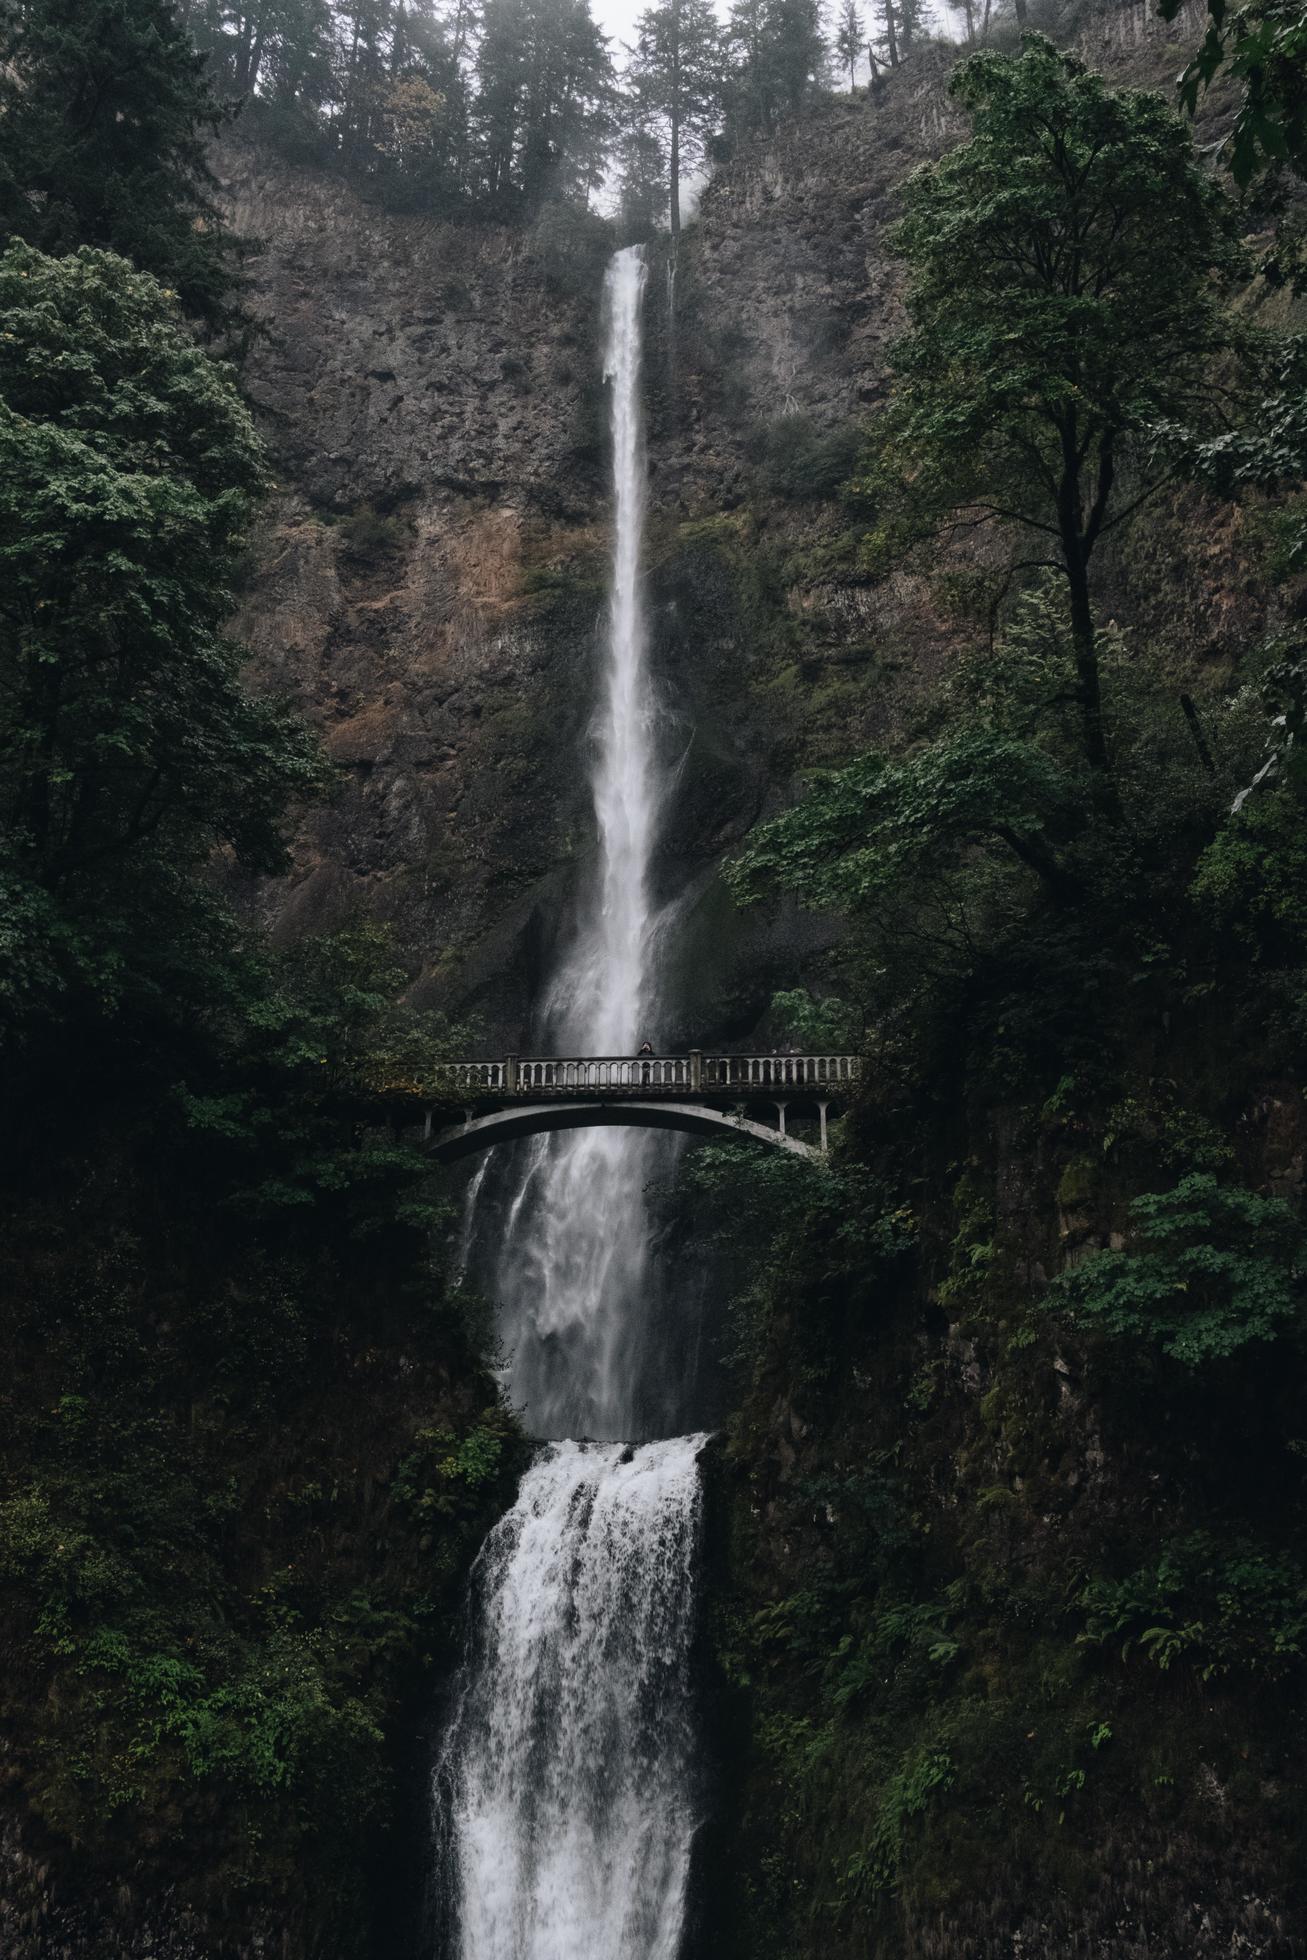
[676, 74]
[848, 39]
[106, 111]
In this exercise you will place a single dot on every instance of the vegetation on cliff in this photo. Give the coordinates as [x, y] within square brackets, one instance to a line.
[249, 1443]
[1013, 1591]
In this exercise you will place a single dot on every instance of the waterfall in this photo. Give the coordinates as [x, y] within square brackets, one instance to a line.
[570, 1758]
[572, 1273]
[565, 1792]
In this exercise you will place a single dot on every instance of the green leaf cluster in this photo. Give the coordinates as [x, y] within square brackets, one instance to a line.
[1220, 1605]
[107, 112]
[1208, 1268]
[131, 746]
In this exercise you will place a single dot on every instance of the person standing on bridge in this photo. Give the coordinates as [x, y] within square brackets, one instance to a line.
[645, 1049]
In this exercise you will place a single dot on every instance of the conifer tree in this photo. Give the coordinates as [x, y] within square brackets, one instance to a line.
[777, 57]
[106, 110]
[848, 39]
[676, 73]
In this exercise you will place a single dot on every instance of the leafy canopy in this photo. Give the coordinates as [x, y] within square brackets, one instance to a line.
[1059, 286]
[130, 747]
[866, 832]
[1212, 1268]
[1063, 311]
[1263, 46]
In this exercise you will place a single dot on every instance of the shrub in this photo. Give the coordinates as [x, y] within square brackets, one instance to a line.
[1213, 1268]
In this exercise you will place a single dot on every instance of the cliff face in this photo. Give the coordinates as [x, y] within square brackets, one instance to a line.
[431, 400]
[430, 576]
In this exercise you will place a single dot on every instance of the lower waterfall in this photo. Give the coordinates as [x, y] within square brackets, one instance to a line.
[566, 1790]
[568, 1775]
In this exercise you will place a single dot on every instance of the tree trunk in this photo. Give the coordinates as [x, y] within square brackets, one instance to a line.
[1085, 649]
[891, 37]
[1021, 14]
[674, 186]
[674, 165]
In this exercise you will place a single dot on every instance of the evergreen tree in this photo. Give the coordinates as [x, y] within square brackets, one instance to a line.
[777, 58]
[676, 75]
[889, 37]
[641, 162]
[544, 104]
[106, 110]
[966, 9]
[848, 39]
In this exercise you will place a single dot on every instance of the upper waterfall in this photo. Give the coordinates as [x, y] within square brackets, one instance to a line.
[605, 991]
[571, 1272]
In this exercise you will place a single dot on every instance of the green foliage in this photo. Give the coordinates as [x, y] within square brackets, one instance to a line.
[1062, 305]
[1059, 266]
[779, 1218]
[800, 461]
[1251, 881]
[107, 111]
[864, 832]
[1262, 46]
[1211, 1268]
[172, 1673]
[368, 534]
[1216, 1604]
[914, 1785]
[820, 1026]
[130, 747]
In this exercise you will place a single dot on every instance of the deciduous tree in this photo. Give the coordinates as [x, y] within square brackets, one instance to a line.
[1062, 269]
[130, 747]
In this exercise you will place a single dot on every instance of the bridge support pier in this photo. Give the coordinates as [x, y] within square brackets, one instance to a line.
[823, 1107]
[781, 1108]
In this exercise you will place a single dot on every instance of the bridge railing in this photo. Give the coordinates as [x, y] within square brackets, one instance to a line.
[759, 1072]
[691, 1074]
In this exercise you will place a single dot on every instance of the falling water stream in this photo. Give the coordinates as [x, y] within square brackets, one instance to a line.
[565, 1790]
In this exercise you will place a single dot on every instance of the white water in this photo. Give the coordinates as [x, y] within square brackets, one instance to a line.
[569, 1764]
[572, 1274]
[566, 1798]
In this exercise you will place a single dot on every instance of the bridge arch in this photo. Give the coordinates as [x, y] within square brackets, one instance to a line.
[531, 1119]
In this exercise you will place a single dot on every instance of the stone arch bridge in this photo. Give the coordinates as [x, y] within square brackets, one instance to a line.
[706, 1095]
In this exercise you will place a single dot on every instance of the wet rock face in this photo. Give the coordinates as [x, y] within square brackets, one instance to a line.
[789, 295]
[406, 356]
[422, 583]
[428, 580]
